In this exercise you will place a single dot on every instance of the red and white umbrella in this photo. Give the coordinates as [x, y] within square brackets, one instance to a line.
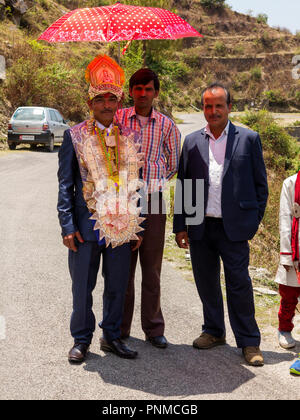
[118, 22]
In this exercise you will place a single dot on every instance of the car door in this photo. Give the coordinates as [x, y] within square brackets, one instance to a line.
[54, 125]
[61, 124]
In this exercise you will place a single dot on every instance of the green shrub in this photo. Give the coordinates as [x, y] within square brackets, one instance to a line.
[256, 73]
[262, 18]
[220, 48]
[38, 78]
[282, 150]
[297, 97]
[281, 154]
[265, 40]
[275, 97]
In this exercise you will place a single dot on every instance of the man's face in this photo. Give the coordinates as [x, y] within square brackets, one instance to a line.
[143, 95]
[104, 108]
[215, 108]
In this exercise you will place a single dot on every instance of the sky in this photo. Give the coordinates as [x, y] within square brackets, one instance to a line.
[283, 13]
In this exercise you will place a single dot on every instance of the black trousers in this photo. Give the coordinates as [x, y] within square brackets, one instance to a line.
[205, 257]
[84, 266]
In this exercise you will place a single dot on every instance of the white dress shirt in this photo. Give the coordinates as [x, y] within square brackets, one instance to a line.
[217, 149]
[102, 127]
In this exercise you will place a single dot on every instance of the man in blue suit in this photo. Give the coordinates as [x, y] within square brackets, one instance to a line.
[96, 158]
[230, 162]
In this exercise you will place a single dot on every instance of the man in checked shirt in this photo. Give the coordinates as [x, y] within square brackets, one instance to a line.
[161, 145]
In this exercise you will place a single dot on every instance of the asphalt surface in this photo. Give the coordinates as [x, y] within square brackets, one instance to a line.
[35, 307]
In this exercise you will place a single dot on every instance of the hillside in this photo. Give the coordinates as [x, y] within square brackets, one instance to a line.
[253, 59]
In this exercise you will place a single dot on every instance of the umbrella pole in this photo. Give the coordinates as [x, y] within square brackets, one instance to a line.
[119, 53]
[144, 53]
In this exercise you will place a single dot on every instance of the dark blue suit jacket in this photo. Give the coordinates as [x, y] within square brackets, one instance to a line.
[73, 213]
[244, 182]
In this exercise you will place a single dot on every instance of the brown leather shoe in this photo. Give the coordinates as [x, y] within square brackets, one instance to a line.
[253, 356]
[207, 341]
[78, 353]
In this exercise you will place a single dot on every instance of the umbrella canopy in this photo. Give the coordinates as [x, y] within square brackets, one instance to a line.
[118, 22]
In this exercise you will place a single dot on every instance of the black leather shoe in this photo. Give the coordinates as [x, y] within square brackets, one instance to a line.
[78, 353]
[159, 341]
[119, 348]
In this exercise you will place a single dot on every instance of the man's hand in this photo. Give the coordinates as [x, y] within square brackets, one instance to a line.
[182, 240]
[69, 242]
[136, 244]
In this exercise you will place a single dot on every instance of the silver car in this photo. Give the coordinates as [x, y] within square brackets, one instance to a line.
[36, 125]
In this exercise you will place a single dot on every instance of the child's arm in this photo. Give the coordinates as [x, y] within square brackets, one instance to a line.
[285, 225]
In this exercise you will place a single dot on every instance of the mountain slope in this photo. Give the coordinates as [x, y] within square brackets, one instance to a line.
[253, 59]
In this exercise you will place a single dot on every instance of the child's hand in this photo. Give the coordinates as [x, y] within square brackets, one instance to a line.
[297, 266]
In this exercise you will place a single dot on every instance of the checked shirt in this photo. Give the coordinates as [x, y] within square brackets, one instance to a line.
[161, 145]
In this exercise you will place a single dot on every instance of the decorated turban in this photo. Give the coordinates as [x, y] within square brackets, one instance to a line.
[105, 76]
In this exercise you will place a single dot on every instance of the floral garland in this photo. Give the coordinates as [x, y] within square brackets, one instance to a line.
[110, 187]
[111, 154]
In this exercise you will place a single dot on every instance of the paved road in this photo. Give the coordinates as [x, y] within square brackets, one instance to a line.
[195, 121]
[190, 122]
[35, 305]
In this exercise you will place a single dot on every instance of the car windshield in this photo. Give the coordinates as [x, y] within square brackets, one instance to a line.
[29, 114]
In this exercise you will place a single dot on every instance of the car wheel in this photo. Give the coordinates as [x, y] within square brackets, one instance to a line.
[51, 144]
[12, 146]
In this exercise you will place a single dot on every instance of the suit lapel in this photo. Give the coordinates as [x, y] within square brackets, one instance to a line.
[203, 147]
[232, 142]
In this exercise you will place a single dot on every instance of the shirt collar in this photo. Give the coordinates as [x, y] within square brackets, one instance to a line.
[101, 126]
[224, 133]
[152, 116]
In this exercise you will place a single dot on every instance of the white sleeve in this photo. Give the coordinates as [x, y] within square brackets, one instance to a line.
[285, 224]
